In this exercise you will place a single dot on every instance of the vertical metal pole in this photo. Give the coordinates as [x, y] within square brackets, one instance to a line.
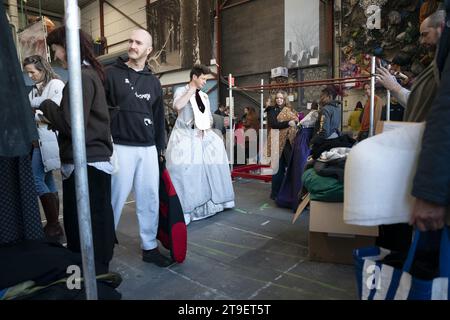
[388, 105]
[261, 123]
[372, 97]
[79, 147]
[40, 10]
[47, 49]
[230, 87]
[218, 44]
[102, 21]
[23, 24]
[14, 15]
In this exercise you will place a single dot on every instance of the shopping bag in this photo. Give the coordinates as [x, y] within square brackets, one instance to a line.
[172, 230]
[379, 281]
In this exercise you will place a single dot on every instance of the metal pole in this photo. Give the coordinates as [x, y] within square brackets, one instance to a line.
[261, 121]
[372, 97]
[230, 87]
[102, 21]
[21, 27]
[14, 15]
[79, 147]
[40, 10]
[388, 105]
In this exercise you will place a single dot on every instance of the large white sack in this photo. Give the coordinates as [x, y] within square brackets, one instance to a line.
[378, 177]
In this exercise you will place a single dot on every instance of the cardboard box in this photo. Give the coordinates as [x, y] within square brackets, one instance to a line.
[328, 217]
[331, 239]
[336, 248]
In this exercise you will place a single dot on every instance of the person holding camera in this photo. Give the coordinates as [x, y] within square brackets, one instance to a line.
[430, 186]
[418, 103]
[418, 100]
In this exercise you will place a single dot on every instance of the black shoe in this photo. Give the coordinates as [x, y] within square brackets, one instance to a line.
[154, 256]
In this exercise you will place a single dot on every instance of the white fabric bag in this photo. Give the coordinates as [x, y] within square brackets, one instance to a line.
[114, 161]
[378, 177]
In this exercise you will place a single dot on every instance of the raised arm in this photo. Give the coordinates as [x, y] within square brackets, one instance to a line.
[181, 98]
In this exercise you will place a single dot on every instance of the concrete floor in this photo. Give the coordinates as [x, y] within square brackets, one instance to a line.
[251, 252]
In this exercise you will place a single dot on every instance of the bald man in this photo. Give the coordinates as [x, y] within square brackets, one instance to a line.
[418, 103]
[418, 100]
[139, 138]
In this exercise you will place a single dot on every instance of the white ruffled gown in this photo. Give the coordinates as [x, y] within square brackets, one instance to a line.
[198, 164]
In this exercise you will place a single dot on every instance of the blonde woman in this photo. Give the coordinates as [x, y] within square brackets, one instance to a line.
[281, 116]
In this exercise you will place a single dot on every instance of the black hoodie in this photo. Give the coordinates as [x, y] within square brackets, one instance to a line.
[138, 97]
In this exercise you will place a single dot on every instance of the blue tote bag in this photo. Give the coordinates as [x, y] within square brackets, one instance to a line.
[379, 281]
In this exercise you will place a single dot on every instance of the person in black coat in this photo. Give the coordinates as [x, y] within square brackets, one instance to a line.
[273, 121]
[431, 186]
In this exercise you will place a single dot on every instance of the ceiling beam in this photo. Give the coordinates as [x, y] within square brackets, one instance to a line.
[87, 3]
[125, 15]
[234, 4]
[45, 12]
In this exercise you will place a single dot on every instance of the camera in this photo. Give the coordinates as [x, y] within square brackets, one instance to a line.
[384, 63]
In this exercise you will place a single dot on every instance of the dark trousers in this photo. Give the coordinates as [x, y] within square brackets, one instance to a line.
[395, 237]
[277, 179]
[102, 217]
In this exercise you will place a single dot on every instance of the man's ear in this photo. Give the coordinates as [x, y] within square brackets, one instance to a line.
[149, 50]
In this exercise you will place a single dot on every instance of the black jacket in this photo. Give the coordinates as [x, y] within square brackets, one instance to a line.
[272, 114]
[96, 119]
[16, 122]
[139, 99]
[432, 180]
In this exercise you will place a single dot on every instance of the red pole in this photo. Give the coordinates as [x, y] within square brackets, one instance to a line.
[308, 83]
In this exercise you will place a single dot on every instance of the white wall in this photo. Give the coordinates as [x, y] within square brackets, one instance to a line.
[117, 27]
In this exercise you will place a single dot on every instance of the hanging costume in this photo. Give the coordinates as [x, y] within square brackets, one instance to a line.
[19, 209]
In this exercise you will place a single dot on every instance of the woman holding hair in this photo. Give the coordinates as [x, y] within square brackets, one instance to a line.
[282, 117]
[98, 150]
[45, 156]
